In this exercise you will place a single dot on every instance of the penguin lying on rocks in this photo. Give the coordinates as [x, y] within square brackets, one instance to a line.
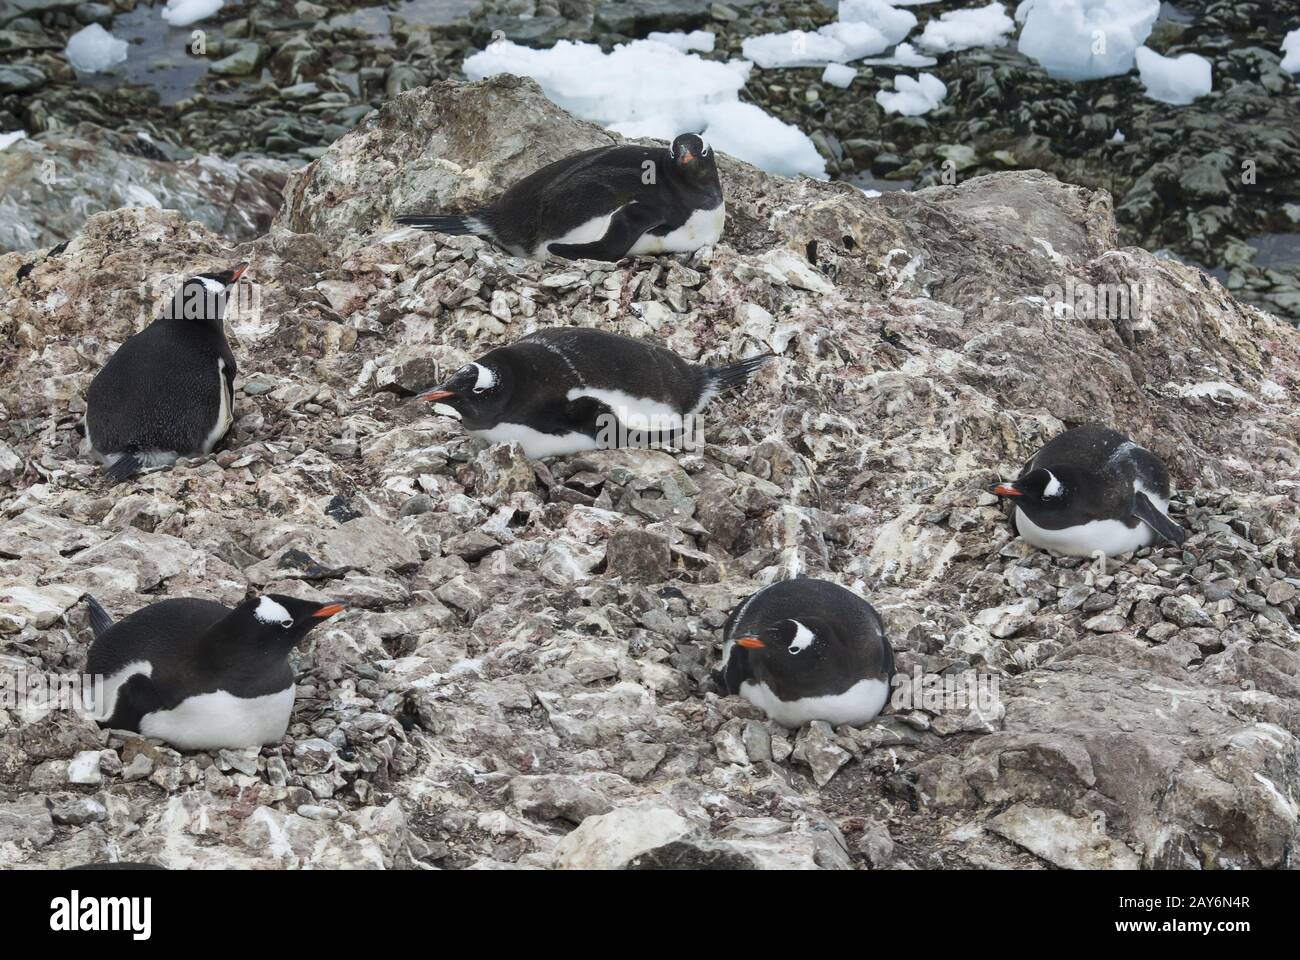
[168, 391]
[200, 675]
[603, 204]
[807, 649]
[1092, 490]
[568, 389]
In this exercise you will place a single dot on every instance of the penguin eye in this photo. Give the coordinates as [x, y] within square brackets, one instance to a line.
[286, 624]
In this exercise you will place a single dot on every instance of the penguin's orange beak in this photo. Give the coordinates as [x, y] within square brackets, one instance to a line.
[325, 612]
[436, 394]
[750, 643]
[1007, 490]
[688, 157]
[238, 272]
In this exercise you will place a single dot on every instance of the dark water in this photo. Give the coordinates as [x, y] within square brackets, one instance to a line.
[159, 54]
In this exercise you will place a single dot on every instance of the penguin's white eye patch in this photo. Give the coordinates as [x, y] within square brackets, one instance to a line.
[268, 611]
[486, 378]
[1053, 488]
[212, 286]
[803, 638]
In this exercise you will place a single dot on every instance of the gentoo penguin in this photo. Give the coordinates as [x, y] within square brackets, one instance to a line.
[200, 675]
[807, 649]
[1092, 490]
[567, 389]
[603, 204]
[168, 391]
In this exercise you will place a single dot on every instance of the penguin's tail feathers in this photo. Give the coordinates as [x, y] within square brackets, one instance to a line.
[127, 466]
[458, 225]
[100, 621]
[736, 374]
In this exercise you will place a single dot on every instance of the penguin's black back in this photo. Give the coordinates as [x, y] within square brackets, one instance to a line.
[159, 390]
[566, 357]
[1114, 458]
[173, 635]
[565, 194]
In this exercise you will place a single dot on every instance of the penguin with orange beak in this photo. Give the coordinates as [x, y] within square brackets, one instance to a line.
[197, 674]
[807, 649]
[1091, 490]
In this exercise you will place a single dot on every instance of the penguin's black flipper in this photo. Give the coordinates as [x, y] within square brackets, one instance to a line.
[453, 225]
[625, 229]
[737, 373]
[126, 467]
[1150, 514]
[100, 621]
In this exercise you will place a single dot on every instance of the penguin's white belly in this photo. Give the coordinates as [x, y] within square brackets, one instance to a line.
[1110, 537]
[1087, 539]
[224, 416]
[212, 721]
[535, 443]
[701, 229]
[858, 704]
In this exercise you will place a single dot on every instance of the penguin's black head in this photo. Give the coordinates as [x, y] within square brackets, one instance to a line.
[792, 643]
[204, 296]
[477, 391]
[692, 159]
[1042, 490]
[281, 622]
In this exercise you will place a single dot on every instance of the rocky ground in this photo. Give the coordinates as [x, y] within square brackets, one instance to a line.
[283, 79]
[521, 679]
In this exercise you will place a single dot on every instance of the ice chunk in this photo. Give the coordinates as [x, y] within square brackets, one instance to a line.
[93, 49]
[9, 139]
[838, 75]
[181, 13]
[798, 48]
[1085, 39]
[742, 130]
[904, 55]
[964, 29]
[913, 97]
[1291, 49]
[892, 23]
[864, 28]
[650, 89]
[1178, 80]
[700, 40]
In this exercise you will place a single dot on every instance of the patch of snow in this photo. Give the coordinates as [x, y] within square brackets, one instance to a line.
[913, 97]
[1085, 39]
[1291, 51]
[838, 75]
[181, 13]
[904, 55]
[701, 40]
[1176, 80]
[963, 29]
[624, 90]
